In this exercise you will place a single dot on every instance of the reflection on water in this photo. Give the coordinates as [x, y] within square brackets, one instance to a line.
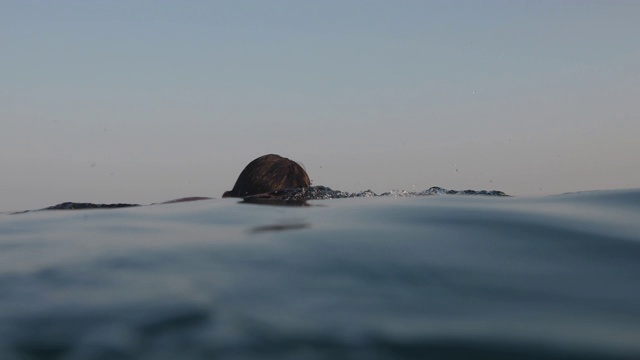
[280, 227]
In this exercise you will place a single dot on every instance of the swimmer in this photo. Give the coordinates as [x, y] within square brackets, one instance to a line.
[269, 173]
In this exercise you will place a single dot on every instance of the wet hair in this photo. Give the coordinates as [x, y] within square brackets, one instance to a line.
[269, 173]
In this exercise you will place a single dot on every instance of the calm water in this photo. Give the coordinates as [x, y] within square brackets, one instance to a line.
[438, 277]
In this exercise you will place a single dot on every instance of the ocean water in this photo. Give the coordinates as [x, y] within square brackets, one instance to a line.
[393, 277]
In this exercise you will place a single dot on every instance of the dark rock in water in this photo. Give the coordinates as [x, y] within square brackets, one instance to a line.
[82, 206]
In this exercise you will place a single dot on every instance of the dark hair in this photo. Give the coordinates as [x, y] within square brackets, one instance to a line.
[269, 173]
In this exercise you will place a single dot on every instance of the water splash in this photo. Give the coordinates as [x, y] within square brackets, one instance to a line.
[326, 193]
[435, 190]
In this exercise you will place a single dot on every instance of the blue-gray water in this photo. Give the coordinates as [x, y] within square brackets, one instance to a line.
[438, 277]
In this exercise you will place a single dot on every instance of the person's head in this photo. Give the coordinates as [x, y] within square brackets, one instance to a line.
[269, 173]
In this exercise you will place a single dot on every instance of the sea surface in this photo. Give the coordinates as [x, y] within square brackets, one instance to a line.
[401, 276]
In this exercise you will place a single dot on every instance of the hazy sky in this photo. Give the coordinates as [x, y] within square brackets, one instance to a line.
[146, 101]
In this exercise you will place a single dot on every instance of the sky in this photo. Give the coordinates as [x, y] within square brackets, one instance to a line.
[147, 101]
